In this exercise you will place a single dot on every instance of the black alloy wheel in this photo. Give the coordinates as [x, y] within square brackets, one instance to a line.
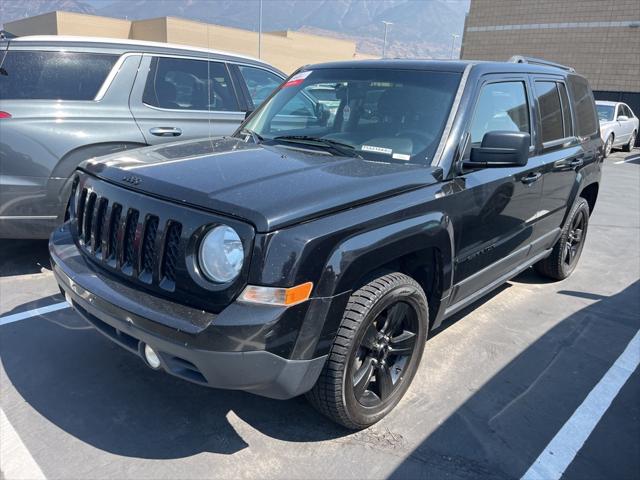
[384, 351]
[575, 238]
[566, 252]
[376, 352]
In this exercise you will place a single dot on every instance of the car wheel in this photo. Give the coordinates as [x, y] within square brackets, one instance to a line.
[608, 146]
[632, 142]
[566, 252]
[375, 354]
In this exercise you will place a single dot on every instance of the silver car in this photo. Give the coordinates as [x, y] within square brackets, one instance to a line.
[618, 126]
[66, 99]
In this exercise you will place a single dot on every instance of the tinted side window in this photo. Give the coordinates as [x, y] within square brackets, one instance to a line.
[501, 106]
[550, 111]
[586, 120]
[260, 83]
[54, 75]
[183, 84]
[566, 110]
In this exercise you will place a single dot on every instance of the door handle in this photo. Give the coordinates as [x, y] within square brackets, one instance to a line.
[165, 131]
[577, 162]
[531, 178]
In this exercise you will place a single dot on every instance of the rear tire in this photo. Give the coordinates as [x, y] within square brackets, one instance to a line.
[566, 252]
[632, 142]
[375, 354]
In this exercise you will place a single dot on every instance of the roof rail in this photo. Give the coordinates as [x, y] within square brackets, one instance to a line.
[539, 61]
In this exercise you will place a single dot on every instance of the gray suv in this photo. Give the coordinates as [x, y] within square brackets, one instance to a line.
[66, 99]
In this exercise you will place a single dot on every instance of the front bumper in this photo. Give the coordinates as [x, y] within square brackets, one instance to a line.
[227, 350]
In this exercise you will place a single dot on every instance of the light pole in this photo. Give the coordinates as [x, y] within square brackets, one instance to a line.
[453, 42]
[260, 32]
[384, 42]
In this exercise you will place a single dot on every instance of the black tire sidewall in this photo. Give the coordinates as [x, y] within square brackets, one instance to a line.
[412, 295]
[581, 208]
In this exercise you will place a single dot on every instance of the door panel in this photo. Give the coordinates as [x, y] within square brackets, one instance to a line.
[559, 150]
[626, 125]
[171, 99]
[495, 209]
[494, 222]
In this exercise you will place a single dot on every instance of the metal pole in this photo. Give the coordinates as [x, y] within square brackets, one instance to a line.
[453, 43]
[260, 32]
[384, 42]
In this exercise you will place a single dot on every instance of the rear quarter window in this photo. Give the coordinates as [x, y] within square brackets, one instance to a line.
[585, 109]
[29, 75]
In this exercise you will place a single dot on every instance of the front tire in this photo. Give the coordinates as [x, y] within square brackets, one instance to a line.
[632, 142]
[566, 252]
[375, 354]
[608, 146]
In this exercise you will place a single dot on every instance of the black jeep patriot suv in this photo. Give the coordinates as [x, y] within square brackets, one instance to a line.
[359, 206]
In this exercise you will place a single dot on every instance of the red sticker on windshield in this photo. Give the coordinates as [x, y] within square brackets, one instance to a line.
[297, 79]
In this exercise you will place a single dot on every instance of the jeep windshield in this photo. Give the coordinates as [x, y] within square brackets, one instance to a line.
[377, 114]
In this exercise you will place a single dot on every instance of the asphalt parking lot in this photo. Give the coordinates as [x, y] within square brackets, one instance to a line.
[496, 385]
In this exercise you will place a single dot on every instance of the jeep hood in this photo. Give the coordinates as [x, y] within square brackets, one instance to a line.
[269, 186]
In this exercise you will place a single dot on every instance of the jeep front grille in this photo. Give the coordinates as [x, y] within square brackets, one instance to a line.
[150, 243]
[127, 241]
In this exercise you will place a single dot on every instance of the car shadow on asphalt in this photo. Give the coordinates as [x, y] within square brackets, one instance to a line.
[502, 428]
[23, 257]
[107, 397]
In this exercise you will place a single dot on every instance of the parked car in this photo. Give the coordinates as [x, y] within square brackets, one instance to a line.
[66, 99]
[313, 254]
[618, 126]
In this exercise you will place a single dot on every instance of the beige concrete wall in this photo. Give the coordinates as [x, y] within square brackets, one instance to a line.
[607, 55]
[46, 24]
[286, 50]
[152, 30]
[92, 25]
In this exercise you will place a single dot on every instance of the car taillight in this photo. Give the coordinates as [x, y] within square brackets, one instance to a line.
[5, 115]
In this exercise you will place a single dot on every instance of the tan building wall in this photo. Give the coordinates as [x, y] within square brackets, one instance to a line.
[46, 24]
[596, 37]
[286, 50]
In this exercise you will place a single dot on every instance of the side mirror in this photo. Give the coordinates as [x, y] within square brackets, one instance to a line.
[501, 149]
[622, 118]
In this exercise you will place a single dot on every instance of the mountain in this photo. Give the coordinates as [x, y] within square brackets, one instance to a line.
[421, 28]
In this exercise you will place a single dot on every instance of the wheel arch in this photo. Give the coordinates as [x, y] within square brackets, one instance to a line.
[590, 194]
[420, 247]
[70, 160]
[68, 163]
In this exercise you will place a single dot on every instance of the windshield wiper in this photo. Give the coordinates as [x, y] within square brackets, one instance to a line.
[340, 147]
[256, 137]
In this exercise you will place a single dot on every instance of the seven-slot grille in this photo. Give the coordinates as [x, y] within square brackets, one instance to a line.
[127, 240]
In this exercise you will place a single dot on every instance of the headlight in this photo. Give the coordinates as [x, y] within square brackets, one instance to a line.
[221, 254]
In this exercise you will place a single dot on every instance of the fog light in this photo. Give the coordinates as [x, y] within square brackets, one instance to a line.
[152, 357]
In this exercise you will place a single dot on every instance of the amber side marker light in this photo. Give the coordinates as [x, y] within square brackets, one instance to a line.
[277, 296]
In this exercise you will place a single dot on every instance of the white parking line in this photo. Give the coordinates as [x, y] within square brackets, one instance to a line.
[16, 462]
[562, 449]
[628, 159]
[32, 313]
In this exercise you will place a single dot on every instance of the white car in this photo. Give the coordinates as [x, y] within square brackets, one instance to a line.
[618, 126]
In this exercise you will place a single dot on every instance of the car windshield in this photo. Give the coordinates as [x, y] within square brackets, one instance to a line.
[377, 114]
[605, 112]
